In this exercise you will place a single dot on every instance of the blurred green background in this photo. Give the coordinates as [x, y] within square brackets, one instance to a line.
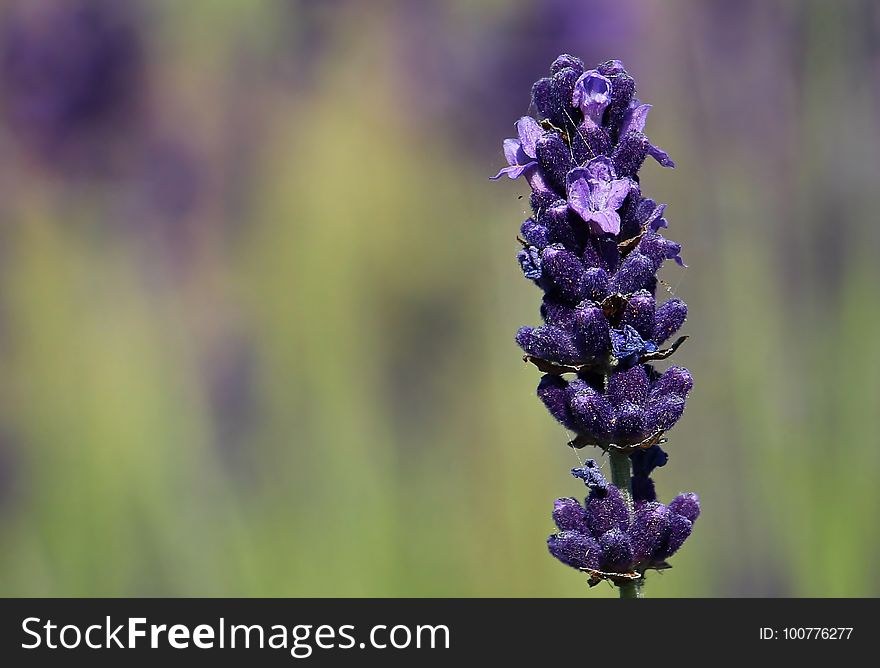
[258, 295]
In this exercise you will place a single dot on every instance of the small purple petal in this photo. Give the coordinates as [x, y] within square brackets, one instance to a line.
[660, 156]
[645, 461]
[512, 149]
[627, 343]
[607, 221]
[675, 380]
[635, 118]
[617, 193]
[659, 248]
[529, 131]
[655, 220]
[599, 169]
[579, 198]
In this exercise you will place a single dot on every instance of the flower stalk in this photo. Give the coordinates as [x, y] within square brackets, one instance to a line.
[593, 245]
[621, 476]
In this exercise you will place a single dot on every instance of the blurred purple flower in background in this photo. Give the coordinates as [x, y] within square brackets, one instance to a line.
[71, 74]
[502, 48]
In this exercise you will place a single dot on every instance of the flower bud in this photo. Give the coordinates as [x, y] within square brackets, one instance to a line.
[555, 160]
[649, 532]
[661, 414]
[575, 549]
[549, 343]
[552, 391]
[569, 515]
[639, 314]
[670, 317]
[630, 386]
[686, 505]
[630, 153]
[635, 273]
[591, 331]
[617, 551]
[606, 510]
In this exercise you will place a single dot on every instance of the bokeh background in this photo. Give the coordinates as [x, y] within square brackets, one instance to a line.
[258, 296]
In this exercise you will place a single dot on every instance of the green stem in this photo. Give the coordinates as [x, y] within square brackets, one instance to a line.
[621, 477]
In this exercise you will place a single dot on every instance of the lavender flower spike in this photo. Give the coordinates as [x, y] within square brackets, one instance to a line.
[593, 246]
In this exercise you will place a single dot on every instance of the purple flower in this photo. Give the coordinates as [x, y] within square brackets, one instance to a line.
[592, 95]
[595, 193]
[521, 153]
[592, 245]
[634, 121]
